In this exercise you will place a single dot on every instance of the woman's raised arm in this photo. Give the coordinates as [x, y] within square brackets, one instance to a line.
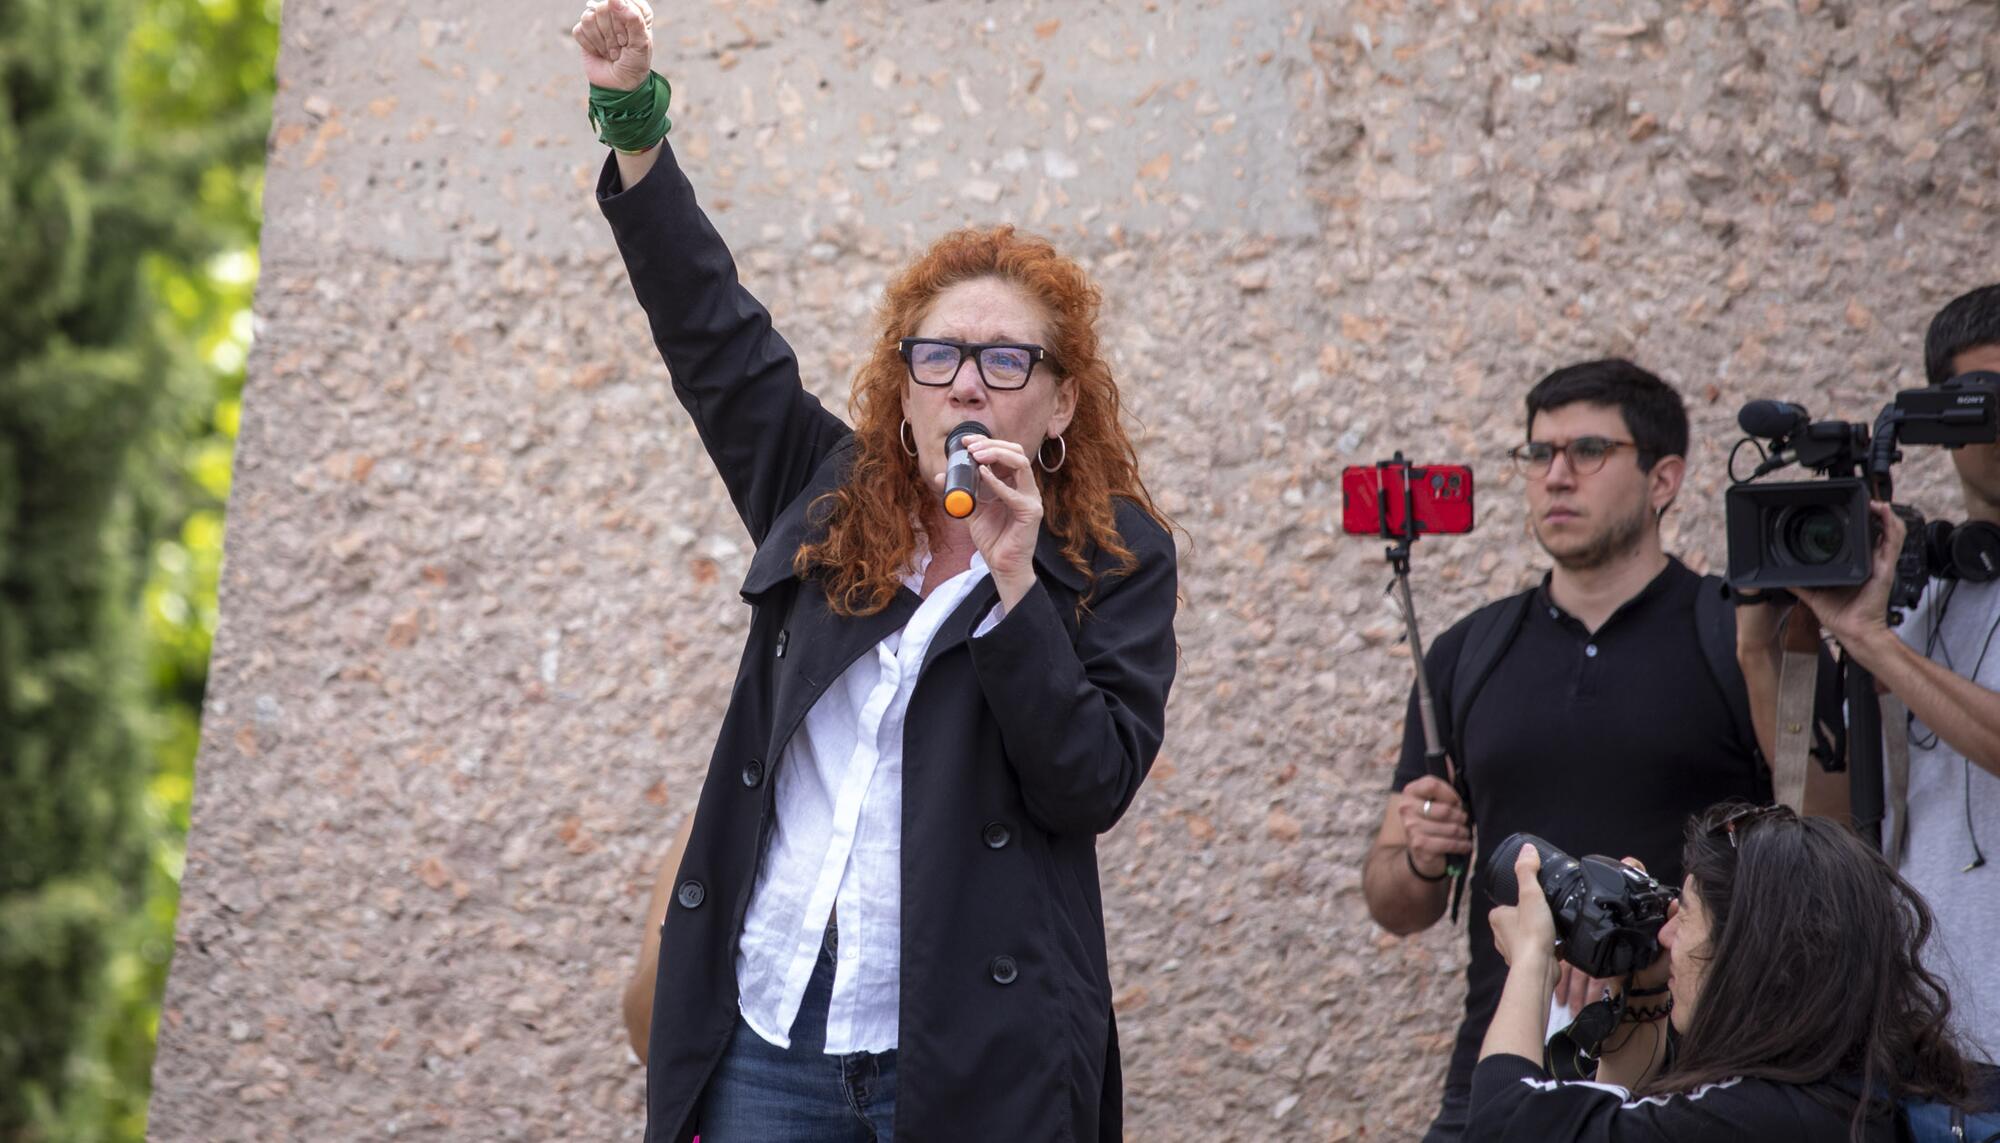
[734, 374]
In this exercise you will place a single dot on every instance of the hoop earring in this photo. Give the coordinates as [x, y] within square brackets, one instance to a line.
[1060, 461]
[908, 438]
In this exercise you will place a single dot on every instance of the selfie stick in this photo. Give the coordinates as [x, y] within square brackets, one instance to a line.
[1398, 553]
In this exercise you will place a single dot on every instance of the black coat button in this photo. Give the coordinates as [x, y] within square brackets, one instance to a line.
[1004, 970]
[753, 774]
[691, 895]
[997, 835]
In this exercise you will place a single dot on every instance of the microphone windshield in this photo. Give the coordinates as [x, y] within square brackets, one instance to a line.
[1772, 419]
[951, 439]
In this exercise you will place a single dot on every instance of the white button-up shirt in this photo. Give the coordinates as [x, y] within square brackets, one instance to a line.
[838, 842]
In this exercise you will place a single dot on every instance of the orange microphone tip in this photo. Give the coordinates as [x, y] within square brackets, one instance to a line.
[958, 503]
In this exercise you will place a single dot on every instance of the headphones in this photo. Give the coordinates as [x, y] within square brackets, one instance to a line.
[1968, 551]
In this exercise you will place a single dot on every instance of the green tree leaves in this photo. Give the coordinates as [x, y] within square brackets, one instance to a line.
[131, 164]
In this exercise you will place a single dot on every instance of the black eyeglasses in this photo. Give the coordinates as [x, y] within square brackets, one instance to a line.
[1739, 819]
[935, 361]
[1585, 455]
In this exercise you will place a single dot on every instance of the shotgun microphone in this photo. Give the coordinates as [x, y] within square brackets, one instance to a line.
[961, 474]
[1772, 419]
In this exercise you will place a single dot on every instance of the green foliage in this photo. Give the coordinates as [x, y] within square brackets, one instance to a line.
[131, 159]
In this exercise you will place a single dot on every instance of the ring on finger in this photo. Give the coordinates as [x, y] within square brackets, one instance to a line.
[1427, 807]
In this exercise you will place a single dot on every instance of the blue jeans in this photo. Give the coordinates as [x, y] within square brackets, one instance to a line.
[765, 1094]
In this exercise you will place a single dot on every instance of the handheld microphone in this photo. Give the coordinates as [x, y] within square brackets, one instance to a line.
[961, 475]
[1772, 419]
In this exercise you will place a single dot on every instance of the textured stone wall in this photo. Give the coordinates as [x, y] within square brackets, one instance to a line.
[479, 610]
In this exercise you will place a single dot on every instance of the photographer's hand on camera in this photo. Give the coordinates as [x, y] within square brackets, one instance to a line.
[1963, 714]
[1858, 617]
[1525, 935]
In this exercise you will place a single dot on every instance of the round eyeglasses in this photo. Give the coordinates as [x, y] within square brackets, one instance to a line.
[935, 361]
[1584, 454]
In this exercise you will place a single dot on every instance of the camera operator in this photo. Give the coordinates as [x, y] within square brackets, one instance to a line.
[1599, 709]
[1939, 663]
[1794, 986]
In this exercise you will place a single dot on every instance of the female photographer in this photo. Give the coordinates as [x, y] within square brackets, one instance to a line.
[1793, 986]
[886, 922]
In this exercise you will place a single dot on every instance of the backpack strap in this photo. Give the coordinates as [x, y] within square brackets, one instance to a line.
[1715, 627]
[1489, 632]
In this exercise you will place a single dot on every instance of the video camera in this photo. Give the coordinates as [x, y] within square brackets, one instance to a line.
[1820, 533]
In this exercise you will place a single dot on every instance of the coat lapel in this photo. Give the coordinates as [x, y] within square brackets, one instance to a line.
[819, 647]
[1050, 566]
[813, 645]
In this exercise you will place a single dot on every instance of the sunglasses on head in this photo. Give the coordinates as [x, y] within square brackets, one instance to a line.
[1739, 819]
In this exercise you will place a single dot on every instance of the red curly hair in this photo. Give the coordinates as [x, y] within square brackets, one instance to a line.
[870, 534]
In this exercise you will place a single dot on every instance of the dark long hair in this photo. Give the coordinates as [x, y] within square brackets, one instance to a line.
[1813, 971]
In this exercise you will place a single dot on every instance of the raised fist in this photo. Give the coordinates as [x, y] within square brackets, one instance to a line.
[617, 41]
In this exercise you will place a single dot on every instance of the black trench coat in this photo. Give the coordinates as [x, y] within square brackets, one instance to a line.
[1020, 748]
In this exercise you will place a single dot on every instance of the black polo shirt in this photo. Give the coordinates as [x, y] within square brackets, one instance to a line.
[1601, 742]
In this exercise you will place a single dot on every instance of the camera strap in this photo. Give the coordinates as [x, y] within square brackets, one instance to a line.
[1573, 1052]
[1798, 676]
[1896, 768]
[1803, 712]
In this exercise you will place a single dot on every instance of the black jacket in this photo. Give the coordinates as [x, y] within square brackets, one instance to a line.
[1021, 746]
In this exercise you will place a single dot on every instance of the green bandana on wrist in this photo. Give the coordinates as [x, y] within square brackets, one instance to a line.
[631, 120]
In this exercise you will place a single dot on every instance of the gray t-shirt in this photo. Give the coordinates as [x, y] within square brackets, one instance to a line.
[1954, 807]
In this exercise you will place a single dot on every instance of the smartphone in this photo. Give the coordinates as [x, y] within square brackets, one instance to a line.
[1373, 503]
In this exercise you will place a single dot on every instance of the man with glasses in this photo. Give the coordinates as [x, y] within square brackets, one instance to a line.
[1599, 709]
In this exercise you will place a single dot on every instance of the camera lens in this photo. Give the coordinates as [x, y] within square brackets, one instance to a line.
[1812, 534]
[1556, 865]
[1608, 916]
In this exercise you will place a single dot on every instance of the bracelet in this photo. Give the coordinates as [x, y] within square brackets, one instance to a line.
[1421, 875]
[631, 121]
[1633, 1015]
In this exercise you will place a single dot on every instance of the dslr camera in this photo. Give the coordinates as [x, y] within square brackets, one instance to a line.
[1819, 532]
[1608, 914]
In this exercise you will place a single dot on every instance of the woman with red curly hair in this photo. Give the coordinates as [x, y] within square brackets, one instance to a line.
[885, 921]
